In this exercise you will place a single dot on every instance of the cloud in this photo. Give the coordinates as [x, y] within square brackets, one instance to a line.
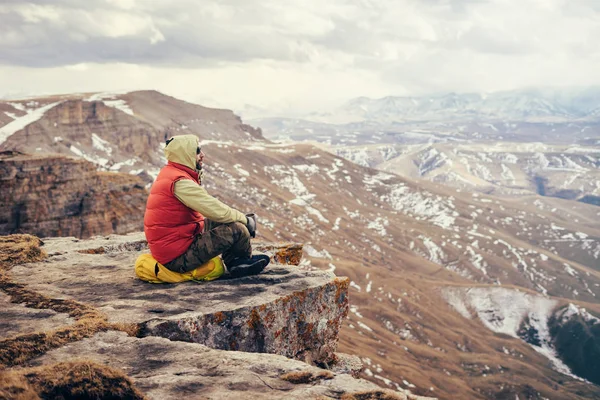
[162, 33]
[191, 34]
[398, 46]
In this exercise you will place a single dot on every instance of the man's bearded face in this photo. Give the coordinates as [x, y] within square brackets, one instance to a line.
[199, 158]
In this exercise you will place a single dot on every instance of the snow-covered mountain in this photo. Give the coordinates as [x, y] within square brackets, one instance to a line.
[516, 143]
[526, 105]
[503, 168]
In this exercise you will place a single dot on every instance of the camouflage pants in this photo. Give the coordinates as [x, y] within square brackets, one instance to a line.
[232, 240]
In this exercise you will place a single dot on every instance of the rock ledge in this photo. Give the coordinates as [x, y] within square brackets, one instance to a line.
[284, 311]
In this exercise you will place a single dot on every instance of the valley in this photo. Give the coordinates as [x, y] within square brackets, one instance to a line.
[471, 257]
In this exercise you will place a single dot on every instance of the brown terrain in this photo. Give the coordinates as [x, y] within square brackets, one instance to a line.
[437, 274]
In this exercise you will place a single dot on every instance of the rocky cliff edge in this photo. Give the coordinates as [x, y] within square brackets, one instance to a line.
[74, 315]
[55, 195]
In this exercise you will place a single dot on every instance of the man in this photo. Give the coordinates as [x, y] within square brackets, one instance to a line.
[186, 227]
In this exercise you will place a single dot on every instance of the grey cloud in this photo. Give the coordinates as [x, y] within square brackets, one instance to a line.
[488, 40]
[457, 6]
[349, 37]
[190, 33]
[194, 35]
[191, 38]
[583, 6]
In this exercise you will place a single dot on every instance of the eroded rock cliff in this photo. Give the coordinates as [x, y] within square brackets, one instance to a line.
[116, 132]
[54, 195]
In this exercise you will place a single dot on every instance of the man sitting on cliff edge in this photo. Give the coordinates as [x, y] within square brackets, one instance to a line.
[186, 227]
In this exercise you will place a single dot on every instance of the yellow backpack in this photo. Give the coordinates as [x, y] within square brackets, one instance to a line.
[150, 270]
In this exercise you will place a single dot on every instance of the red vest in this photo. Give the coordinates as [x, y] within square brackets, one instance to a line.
[170, 226]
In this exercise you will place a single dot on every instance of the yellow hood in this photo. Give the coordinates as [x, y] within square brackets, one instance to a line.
[182, 150]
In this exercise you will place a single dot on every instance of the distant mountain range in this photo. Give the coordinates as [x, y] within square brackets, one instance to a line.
[526, 105]
[512, 143]
[534, 105]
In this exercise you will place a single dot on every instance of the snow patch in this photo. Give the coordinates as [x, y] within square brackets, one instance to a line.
[422, 205]
[307, 169]
[336, 224]
[378, 225]
[111, 100]
[19, 123]
[565, 314]
[240, 170]
[355, 286]
[312, 252]
[89, 157]
[436, 254]
[503, 310]
[100, 144]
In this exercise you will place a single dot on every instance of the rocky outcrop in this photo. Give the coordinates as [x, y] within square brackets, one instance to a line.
[296, 315]
[53, 195]
[576, 337]
[175, 116]
[283, 311]
[182, 329]
[118, 132]
[70, 127]
[164, 369]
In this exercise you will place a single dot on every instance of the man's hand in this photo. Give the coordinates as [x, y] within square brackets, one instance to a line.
[251, 224]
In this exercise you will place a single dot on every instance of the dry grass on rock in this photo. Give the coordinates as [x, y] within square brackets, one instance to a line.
[68, 380]
[16, 249]
[373, 395]
[15, 387]
[19, 349]
[300, 377]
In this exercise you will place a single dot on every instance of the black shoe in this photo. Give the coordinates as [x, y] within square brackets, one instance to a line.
[248, 266]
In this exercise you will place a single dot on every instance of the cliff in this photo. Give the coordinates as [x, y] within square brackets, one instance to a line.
[117, 132]
[54, 195]
[70, 300]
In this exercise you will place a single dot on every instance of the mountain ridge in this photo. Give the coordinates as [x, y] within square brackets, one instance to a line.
[517, 105]
[401, 241]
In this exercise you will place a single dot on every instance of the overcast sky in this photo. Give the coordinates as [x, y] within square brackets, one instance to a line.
[297, 54]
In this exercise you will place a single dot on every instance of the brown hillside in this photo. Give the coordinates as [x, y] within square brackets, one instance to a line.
[403, 243]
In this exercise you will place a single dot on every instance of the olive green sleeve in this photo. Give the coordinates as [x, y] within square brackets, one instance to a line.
[197, 198]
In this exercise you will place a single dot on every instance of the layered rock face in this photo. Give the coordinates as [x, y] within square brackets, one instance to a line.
[70, 126]
[286, 311]
[118, 133]
[175, 116]
[53, 195]
[576, 337]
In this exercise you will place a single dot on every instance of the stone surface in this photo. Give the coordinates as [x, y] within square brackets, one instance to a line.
[16, 319]
[54, 195]
[163, 369]
[281, 253]
[347, 364]
[284, 310]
